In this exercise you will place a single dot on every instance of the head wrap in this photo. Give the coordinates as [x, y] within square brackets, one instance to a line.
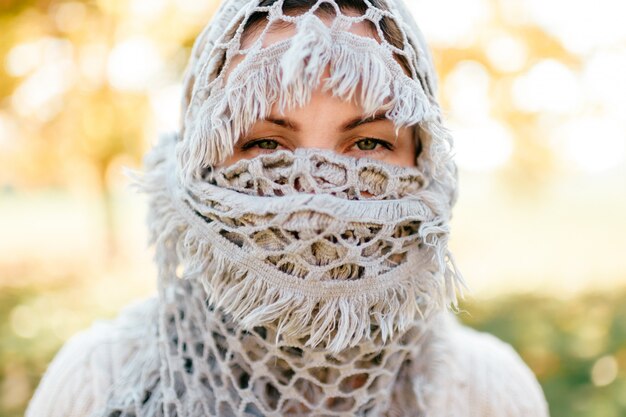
[295, 283]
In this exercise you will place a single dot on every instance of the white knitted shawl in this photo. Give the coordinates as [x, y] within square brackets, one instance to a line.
[295, 283]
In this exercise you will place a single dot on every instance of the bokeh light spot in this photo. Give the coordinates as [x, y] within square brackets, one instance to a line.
[24, 321]
[604, 371]
[467, 90]
[69, 16]
[134, 64]
[548, 86]
[507, 53]
[593, 144]
[482, 147]
[446, 28]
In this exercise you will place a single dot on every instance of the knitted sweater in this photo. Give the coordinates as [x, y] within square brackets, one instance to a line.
[484, 376]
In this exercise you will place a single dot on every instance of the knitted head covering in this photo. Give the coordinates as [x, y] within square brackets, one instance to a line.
[295, 283]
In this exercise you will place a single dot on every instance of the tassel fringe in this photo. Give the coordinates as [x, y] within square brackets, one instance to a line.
[335, 315]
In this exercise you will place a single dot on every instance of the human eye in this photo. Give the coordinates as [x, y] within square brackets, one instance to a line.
[372, 144]
[265, 144]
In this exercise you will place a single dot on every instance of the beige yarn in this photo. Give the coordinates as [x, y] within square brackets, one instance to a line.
[313, 263]
[228, 88]
[305, 282]
[290, 292]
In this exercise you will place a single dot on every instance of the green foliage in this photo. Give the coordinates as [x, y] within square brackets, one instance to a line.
[577, 348]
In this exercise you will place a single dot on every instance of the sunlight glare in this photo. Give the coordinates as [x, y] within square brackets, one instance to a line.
[507, 53]
[601, 79]
[40, 95]
[69, 16]
[548, 86]
[593, 144]
[92, 62]
[581, 29]
[25, 322]
[485, 146]
[134, 64]
[23, 58]
[165, 104]
[194, 6]
[450, 22]
[147, 9]
[467, 90]
[8, 131]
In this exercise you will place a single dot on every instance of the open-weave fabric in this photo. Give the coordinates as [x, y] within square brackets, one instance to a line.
[295, 282]
[319, 171]
[305, 282]
[304, 290]
[227, 88]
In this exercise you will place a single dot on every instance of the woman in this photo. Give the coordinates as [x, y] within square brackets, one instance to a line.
[300, 219]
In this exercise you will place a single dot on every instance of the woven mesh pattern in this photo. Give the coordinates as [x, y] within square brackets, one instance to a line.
[230, 85]
[313, 244]
[234, 372]
[296, 283]
[300, 222]
[296, 303]
[317, 171]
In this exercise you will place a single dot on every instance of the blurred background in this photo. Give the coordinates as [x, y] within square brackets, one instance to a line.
[534, 91]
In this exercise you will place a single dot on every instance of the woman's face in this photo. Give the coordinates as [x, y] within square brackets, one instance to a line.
[326, 122]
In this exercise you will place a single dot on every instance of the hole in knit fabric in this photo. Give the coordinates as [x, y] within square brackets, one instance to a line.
[266, 392]
[221, 344]
[325, 375]
[252, 410]
[232, 237]
[346, 272]
[372, 360]
[280, 369]
[340, 404]
[225, 410]
[353, 382]
[242, 378]
[293, 408]
[311, 392]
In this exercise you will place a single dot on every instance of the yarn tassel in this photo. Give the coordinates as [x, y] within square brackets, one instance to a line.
[286, 74]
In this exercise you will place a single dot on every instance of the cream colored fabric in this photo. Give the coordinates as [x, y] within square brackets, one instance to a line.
[428, 366]
[483, 377]
[269, 281]
[296, 283]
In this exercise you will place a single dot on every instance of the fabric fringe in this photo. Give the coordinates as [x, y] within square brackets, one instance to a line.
[286, 73]
[332, 319]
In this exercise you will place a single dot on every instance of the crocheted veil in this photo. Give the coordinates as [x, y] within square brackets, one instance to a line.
[305, 282]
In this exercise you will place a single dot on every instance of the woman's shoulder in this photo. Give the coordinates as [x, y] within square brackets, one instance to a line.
[489, 377]
[79, 376]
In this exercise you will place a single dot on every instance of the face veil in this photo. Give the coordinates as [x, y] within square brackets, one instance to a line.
[295, 283]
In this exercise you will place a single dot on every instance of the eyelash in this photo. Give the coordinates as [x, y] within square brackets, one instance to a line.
[246, 146]
[383, 143]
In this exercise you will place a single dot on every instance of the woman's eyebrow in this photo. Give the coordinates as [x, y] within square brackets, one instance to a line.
[283, 123]
[351, 124]
[356, 122]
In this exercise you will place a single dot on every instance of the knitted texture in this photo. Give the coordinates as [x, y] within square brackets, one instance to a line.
[228, 88]
[321, 252]
[305, 282]
[457, 372]
[283, 301]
